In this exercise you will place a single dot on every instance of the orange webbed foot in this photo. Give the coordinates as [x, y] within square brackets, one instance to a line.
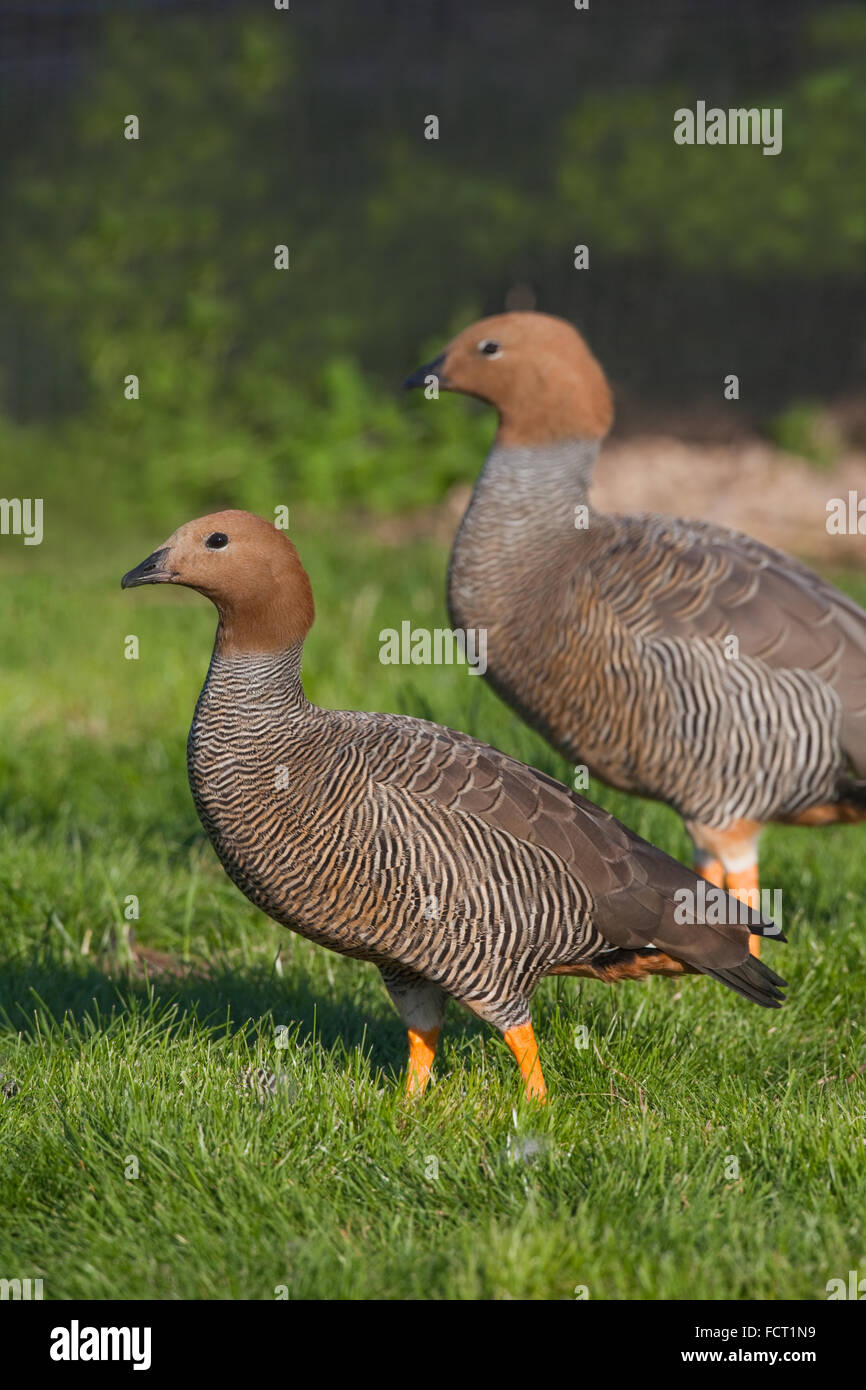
[422, 1050]
[522, 1042]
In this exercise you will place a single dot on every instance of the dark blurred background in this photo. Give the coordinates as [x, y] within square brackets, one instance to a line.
[306, 127]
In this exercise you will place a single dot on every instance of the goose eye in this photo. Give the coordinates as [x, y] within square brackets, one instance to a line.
[217, 540]
[489, 348]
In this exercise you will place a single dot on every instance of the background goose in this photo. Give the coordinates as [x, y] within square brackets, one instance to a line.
[675, 659]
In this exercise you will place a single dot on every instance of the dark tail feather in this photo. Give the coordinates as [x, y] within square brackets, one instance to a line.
[852, 793]
[754, 981]
[764, 926]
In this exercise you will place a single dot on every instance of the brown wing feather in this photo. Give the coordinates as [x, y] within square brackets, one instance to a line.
[712, 582]
[632, 884]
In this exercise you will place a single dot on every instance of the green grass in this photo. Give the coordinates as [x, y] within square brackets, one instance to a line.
[623, 1184]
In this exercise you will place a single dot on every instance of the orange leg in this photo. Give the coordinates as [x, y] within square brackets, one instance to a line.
[736, 845]
[710, 869]
[422, 1050]
[522, 1042]
[745, 885]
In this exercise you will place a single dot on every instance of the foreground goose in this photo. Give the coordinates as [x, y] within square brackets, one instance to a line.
[674, 659]
[459, 872]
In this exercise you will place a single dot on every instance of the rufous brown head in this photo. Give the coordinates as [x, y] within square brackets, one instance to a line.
[248, 568]
[535, 369]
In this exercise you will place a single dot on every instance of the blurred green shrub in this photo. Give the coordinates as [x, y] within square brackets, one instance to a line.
[806, 429]
[155, 257]
[337, 442]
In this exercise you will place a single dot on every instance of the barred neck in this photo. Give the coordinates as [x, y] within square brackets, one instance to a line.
[265, 678]
[522, 517]
[534, 485]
